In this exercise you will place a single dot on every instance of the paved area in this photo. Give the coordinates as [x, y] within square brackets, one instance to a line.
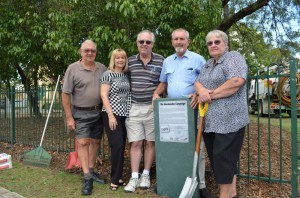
[4, 193]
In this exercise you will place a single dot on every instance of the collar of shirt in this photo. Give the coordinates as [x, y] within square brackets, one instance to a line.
[82, 67]
[186, 55]
[222, 58]
[139, 57]
[211, 62]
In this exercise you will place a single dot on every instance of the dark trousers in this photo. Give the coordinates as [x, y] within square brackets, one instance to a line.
[117, 142]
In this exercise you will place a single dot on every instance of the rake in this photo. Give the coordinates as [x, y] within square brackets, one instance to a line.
[38, 156]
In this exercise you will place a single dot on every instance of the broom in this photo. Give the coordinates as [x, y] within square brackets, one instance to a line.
[40, 157]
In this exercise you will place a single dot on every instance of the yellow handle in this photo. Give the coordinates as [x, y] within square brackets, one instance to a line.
[202, 110]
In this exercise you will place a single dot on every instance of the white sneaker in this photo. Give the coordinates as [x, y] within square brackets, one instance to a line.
[132, 185]
[144, 181]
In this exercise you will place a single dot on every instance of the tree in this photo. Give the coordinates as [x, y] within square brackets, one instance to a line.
[39, 39]
[271, 20]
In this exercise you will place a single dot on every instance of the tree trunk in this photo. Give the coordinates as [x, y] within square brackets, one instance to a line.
[31, 94]
[226, 23]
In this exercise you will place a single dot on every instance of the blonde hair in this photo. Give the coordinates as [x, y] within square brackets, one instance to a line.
[116, 52]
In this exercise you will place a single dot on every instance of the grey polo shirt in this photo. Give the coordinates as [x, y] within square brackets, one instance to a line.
[83, 84]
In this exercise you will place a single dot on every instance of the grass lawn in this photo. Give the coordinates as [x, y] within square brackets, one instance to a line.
[37, 182]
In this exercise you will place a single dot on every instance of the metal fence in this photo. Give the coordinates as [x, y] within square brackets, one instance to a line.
[272, 152]
[23, 113]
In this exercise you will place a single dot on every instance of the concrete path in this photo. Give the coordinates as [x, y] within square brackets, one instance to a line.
[4, 193]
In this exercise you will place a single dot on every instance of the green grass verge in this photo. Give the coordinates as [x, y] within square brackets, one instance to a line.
[37, 182]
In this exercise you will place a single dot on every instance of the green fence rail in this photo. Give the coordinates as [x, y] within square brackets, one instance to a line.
[23, 113]
[273, 157]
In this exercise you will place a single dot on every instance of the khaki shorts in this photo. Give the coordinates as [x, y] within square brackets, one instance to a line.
[140, 123]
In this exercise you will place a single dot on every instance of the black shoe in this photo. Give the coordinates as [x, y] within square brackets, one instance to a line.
[204, 193]
[97, 178]
[87, 187]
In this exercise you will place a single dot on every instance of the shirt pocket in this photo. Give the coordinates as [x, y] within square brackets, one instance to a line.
[156, 70]
[190, 75]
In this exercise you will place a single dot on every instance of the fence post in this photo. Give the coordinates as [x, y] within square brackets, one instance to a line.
[13, 117]
[294, 127]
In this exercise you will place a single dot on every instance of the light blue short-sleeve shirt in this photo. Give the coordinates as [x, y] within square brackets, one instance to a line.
[181, 73]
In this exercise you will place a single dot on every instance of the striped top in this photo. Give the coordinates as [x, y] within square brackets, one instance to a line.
[144, 78]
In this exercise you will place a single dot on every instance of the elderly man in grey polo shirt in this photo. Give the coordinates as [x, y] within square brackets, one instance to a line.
[81, 101]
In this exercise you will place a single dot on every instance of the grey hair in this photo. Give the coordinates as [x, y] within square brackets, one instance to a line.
[181, 30]
[88, 41]
[146, 31]
[217, 33]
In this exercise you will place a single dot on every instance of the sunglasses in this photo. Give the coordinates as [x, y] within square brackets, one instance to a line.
[89, 50]
[216, 42]
[144, 41]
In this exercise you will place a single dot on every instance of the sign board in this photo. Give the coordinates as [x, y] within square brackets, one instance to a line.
[175, 136]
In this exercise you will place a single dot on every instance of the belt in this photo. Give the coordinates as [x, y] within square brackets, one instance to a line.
[88, 108]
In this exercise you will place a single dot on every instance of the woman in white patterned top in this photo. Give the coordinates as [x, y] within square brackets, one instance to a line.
[222, 83]
[115, 95]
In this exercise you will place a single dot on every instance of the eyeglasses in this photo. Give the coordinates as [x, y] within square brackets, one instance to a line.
[144, 41]
[89, 50]
[216, 42]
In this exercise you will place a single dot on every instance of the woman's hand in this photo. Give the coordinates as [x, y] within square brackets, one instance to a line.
[204, 95]
[112, 122]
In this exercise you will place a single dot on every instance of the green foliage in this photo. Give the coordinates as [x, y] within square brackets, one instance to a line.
[275, 23]
[43, 37]
[39, 39]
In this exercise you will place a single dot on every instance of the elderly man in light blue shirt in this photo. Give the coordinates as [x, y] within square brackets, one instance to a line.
[178, 75]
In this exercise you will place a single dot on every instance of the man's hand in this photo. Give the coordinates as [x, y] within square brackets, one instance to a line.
[155, 96]
[194, 102]
[71, 124]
